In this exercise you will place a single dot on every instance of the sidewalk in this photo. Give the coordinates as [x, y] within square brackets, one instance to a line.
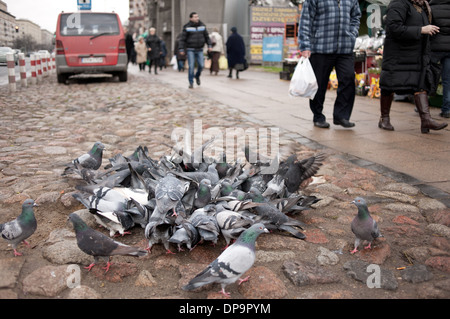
[405, 154]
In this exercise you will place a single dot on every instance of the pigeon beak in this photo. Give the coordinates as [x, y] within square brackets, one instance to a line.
[35, 205]
[266, 230]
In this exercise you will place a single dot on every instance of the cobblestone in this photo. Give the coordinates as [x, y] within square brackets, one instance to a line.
[44, 127]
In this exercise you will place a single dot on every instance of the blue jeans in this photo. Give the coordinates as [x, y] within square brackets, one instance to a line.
[445, 62]
[193, 56]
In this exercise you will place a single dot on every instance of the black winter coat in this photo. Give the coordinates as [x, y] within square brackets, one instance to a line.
[194, 36]
[406, 56]
[440, 9]
[235, 50]
[153, 42]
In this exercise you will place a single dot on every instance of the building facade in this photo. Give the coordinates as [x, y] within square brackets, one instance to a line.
[7, 26]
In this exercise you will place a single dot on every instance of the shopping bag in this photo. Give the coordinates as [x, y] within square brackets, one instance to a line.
[223, 62]
[303, 81]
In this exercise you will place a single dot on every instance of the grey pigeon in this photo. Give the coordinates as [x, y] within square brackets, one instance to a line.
[99, 245]
[232, 263]
[363, 225]
[273, 218]
[299, 172]
[203, 194]
[186, 234]
[206, 223]
[159, 230]
[169, 192]
[19, 229]
[232, 224]
[116, 221]
[91, 160]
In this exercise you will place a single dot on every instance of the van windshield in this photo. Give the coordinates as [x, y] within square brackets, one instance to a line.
[89, 24]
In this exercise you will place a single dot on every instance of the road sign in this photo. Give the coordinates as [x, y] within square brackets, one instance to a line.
[84, 4]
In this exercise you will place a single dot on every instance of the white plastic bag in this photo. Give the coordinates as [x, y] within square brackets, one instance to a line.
[303, 81]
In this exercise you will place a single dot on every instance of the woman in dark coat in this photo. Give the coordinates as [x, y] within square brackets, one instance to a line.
[154, 50]
[235, 51]
[406, 60]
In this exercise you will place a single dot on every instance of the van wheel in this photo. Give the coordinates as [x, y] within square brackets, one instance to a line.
[62, 78]
[123, 76]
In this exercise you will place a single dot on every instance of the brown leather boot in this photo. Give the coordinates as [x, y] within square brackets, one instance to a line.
[385, 109]
[427, 123]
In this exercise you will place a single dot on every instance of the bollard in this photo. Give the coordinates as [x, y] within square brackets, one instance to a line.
[33, 68]
[39, 68]
[23, 70]
[11, 71]
[53, 63]
[44, 64]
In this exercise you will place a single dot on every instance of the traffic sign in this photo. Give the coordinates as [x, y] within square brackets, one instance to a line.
[84, 4]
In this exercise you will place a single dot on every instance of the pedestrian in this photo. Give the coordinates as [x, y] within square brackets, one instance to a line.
[235, 52]
[440, 48]
[129, 45]
[141, 53]
[154, 49]
[193, 38]
[162, 58]
[181, 58]
[406, 60]
[216, 51]
[327, 36]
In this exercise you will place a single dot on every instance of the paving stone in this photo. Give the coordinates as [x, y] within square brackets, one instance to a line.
[47, 281]
[9, 271]
[360, 271]
[416, 274]
[302, 273]
[262, 284]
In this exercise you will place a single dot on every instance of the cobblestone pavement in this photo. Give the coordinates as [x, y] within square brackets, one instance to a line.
[44, 127]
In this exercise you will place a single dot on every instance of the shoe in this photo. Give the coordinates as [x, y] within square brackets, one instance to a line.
[385, 108]
[445, 114]
[343, 122]
[322, 124]
[426, 122]
[197, 80]
[191, 86]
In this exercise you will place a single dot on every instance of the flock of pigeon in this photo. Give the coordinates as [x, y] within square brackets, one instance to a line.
[184, 201]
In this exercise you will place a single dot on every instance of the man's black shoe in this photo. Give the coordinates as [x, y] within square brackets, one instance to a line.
[198, 80]
[322, 124]
[343, 122]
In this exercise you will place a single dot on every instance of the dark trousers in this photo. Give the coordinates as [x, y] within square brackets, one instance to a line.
[344, 65]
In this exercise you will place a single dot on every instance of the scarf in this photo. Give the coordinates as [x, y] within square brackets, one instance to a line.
[422, 4]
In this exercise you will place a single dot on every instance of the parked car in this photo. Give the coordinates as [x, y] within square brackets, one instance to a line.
[4, 51]
[90, 42]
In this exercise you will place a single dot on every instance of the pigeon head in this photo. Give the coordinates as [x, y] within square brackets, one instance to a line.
[359, 201]
[98, 147]
[363, 211]
[249, 236]
[29, 203]
[27, 210]
[78, 223]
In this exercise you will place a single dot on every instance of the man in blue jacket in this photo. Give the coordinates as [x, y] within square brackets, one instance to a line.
[327, 35]
[193, 39]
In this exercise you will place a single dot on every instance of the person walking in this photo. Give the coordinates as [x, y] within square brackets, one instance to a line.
[193, 38]
[162, 58]
[141, 53]
[440, 48]
[154, 49]
[216, 51]
[327, 36]
[181, 58]
[129, 45]
[235, 52]
[406, 63]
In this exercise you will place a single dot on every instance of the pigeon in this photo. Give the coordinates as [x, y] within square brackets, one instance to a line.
[206, 223]
[232, 224]
[203, 195]
[91, 160]
[159, 230]
[186, 234]
[363, 225]
[99, 245]
[273, 218]
[169, 192]
[116, 221]
[299, 172]
[19, 229]
[232, 263]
